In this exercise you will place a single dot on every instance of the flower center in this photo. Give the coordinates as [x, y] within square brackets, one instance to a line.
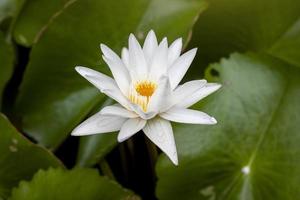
[141, 92]
[145, 88]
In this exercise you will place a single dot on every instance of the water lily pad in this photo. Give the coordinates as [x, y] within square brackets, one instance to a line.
[6, 63]
[253, 151]
[19, 158]
[227, 26]
[76, 184]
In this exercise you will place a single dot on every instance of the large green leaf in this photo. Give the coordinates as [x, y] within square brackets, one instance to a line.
[76, 184]
[19, 158]
[253, 152]
[28, 28]
[6, 63]
[160, 14]
[261, 25]
[8, 8]
[93, 148]
[53, 97]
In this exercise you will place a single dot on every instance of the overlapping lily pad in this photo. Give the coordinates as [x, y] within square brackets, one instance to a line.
[227, 26]
[19, 158]
[76, 184]
[253, 152]
[6, 63]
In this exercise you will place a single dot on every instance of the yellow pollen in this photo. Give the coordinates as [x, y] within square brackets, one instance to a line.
[145, 88]
[141, 93]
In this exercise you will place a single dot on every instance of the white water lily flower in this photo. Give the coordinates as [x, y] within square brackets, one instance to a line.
[146, 89]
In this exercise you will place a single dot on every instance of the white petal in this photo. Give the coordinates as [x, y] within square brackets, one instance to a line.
[174, 51]
[198, 95]
[118, 110]
[130, 127]
[117, 68]
[161, 98]
[183, 92]
[179, 68]
[101, 81]
[188, 116]
[138, 110]
[136, 57]
[125, 57]
[104, 83]
[160, 132]
[150, 45]
[159, 62]
[99, 123]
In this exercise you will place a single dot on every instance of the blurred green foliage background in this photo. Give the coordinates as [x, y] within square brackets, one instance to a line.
[252, 47]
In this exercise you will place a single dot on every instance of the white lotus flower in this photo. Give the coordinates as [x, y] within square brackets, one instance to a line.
[145, 87]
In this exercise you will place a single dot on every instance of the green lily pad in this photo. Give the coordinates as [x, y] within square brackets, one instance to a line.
[93, 148]
[28, 27]
[227, 26]
[6, 63]
[8, 8]
[253, 151]
[19, 158]
[53, 98]
[76, 184]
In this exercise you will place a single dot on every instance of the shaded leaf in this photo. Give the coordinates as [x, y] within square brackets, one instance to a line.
[6, 63]
[8, 8]
[28, 27]
[228, 26]
[53, 97]
[93, 148]
[19, 158]
[253, 151]
[76, 184]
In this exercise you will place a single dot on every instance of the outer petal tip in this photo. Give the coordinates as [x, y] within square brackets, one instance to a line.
[120, 139]
[175, 160]
[79, 68]
[75, 133]
[102, 46]
[213, 120]
[218, 86]
[132, 37]
[151, 31]
[194, 50]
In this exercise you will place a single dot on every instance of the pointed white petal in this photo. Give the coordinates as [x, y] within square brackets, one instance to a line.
[108, 53]
[138, 110]
[120, 74]
[174, 51]
[160, 132]
[150, 45]
[101, 81]
[161, 98]
[104, 83]
[188, 116]
[99, 123]
[180, 67]
[159, 62]
[117, 68]
[118, 110]
[125, 57]
[183, 92]
[198, 95]
[130, 127]
[136, 57]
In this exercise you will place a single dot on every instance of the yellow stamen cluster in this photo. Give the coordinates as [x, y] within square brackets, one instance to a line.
[145, 88]
[142, 92]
